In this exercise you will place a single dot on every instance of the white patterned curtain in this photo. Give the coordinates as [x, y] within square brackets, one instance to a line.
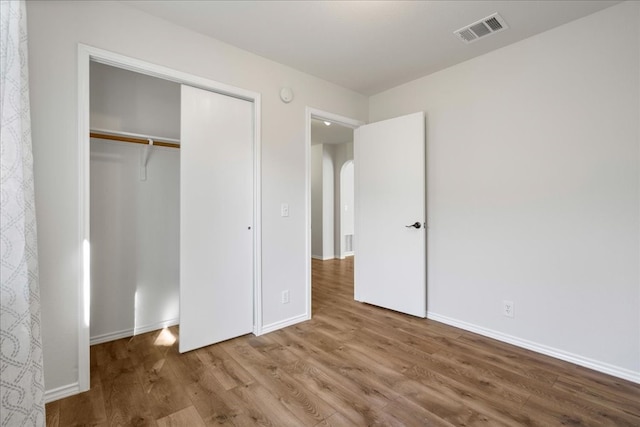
[21, 374]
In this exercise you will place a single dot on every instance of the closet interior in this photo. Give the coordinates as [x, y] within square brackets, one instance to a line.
[134, 203]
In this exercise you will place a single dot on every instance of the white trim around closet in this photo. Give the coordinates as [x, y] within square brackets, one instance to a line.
[85, 55]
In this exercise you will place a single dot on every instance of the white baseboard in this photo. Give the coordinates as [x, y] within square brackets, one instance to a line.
[321, 258]
[284, 323]
[112, 336]
[61, 392]
[346, 255]
[596, 365]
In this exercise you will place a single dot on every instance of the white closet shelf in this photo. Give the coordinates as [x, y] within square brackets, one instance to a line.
[134, 138]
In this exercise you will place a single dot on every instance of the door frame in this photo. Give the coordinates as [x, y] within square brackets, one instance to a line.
[86, 54]
[314, 113]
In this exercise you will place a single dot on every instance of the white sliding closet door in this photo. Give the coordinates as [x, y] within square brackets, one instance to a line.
[216, 218]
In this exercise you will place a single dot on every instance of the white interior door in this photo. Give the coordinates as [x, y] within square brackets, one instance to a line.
[390, 255]
[216, 218]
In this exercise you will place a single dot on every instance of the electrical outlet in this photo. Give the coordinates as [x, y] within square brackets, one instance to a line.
[285, 297]
[507, 308]
[284, 209]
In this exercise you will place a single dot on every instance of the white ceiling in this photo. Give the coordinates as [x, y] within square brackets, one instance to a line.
[332, 134]
[367, 46]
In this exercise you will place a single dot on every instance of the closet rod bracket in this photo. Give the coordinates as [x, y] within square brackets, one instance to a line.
[144, 159]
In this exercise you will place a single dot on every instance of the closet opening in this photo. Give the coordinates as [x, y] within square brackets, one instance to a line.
[142, 171]
[134, 203]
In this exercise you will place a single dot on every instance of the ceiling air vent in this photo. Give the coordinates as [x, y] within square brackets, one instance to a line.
[484, 27]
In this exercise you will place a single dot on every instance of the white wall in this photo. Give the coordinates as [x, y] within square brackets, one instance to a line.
[328, 222]
[133, 102]
[347, 207]
[55, 29]
[317, 209]
[341, 154]
[322, 201]
[134, 223]
[533, 189]
[135, 234]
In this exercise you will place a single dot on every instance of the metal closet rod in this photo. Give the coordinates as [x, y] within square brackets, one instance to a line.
[123, 138]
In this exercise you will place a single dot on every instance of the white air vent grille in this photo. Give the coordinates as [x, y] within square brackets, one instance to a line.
[484, 27]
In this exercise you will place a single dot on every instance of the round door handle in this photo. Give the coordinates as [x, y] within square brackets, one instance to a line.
[414, 225]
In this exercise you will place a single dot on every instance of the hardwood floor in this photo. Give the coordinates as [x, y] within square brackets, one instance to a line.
[351, 365]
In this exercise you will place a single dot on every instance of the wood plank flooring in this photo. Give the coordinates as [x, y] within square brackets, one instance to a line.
[351, 365]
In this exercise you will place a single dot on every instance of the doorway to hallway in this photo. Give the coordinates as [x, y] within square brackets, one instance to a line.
[330, 189]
